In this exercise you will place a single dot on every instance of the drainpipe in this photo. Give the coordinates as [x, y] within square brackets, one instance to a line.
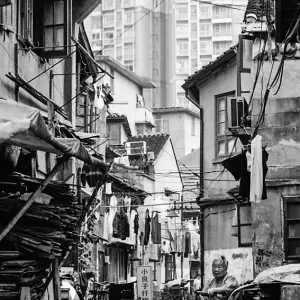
[201, 168]
[201, 225]
[201, 229]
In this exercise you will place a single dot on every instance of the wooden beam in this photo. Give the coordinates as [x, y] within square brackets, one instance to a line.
[33, 196]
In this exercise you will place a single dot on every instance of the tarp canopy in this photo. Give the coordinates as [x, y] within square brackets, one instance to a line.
[24, 126]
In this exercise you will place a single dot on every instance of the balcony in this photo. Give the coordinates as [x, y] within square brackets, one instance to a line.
[221, 20]
[184, 52]
[108, 24]
[222, 38]
[143, 115]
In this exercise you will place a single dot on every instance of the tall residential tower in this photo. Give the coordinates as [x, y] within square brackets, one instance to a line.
[165, 41]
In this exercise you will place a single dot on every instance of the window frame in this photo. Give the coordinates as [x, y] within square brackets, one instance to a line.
[285, 201]
[240, 224]
[222, 137]
[25, 30]
[6, 17]
[169, 272]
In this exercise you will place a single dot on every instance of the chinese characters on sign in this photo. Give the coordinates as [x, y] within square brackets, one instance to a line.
[144, 283]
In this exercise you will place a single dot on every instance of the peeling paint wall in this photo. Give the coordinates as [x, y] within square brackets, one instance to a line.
[239, 263]
[268, 241]
[280, 132]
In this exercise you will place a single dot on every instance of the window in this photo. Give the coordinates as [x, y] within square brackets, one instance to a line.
[108, 37]
[128, 53]
[6, 15]
[243, 224]
[26, 21]
[119, 18]
[205, 29]
[182, 48]
[169, 267]
[222, 30]
[119, 53]
[96, 22]
[182, 13]
[114, 134]
[220, 47]
[108, 20]
[161, 124]
[108, 4]
[128, 17]
[182, 66]
[193, 13]
[205, 48]
[224, 144]
[291, 209]
[221, 12]
[193, 125]
[205, 12]
[128, 35]
[182, 30]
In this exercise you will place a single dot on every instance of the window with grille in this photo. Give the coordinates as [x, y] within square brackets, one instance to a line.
[291, 214]
[169, 267]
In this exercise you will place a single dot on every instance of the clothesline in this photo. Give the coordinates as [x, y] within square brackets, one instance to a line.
[150, 205]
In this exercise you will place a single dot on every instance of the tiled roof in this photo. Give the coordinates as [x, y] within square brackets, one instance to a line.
[154, 143]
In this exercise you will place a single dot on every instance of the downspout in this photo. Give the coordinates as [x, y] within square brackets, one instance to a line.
[201, 181]
[201, 225]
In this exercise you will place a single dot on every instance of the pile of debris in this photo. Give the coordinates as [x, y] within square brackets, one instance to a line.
[48, 230]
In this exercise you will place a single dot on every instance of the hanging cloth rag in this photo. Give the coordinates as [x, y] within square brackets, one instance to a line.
[147, 228]
[156, 229]
[259, 170]
[98, 100]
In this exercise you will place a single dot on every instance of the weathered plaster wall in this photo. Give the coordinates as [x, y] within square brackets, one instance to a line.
[239, 263]
[268, 243]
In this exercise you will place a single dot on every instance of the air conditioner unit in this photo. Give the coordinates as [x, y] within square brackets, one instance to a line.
[150, 155]
[136, 148]
[237, 107]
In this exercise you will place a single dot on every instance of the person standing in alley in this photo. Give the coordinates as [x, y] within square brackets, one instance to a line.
[222, 284]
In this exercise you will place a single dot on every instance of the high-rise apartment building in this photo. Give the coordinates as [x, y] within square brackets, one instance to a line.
[165, 41]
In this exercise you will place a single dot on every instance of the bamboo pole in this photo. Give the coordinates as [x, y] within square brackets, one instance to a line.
[32, 198]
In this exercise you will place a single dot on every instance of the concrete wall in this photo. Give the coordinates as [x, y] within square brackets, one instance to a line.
[180, 130]
[223, 82]
[164, 164]
[280, 134]
[218, 239]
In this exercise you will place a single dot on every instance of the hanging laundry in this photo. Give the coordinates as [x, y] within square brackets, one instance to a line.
[136, 223]
[187, 246]
[91, 174]
[108, 188]
[105, 226]
[156, 229]
[112, 212]
[239, 166]
[98, 100]
[259, 169]
[147, 227]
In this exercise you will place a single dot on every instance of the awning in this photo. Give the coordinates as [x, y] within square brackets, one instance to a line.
[24, 126]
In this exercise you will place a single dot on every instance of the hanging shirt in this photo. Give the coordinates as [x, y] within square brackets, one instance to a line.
[256, 180]
[156, 229]
[91, 174]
